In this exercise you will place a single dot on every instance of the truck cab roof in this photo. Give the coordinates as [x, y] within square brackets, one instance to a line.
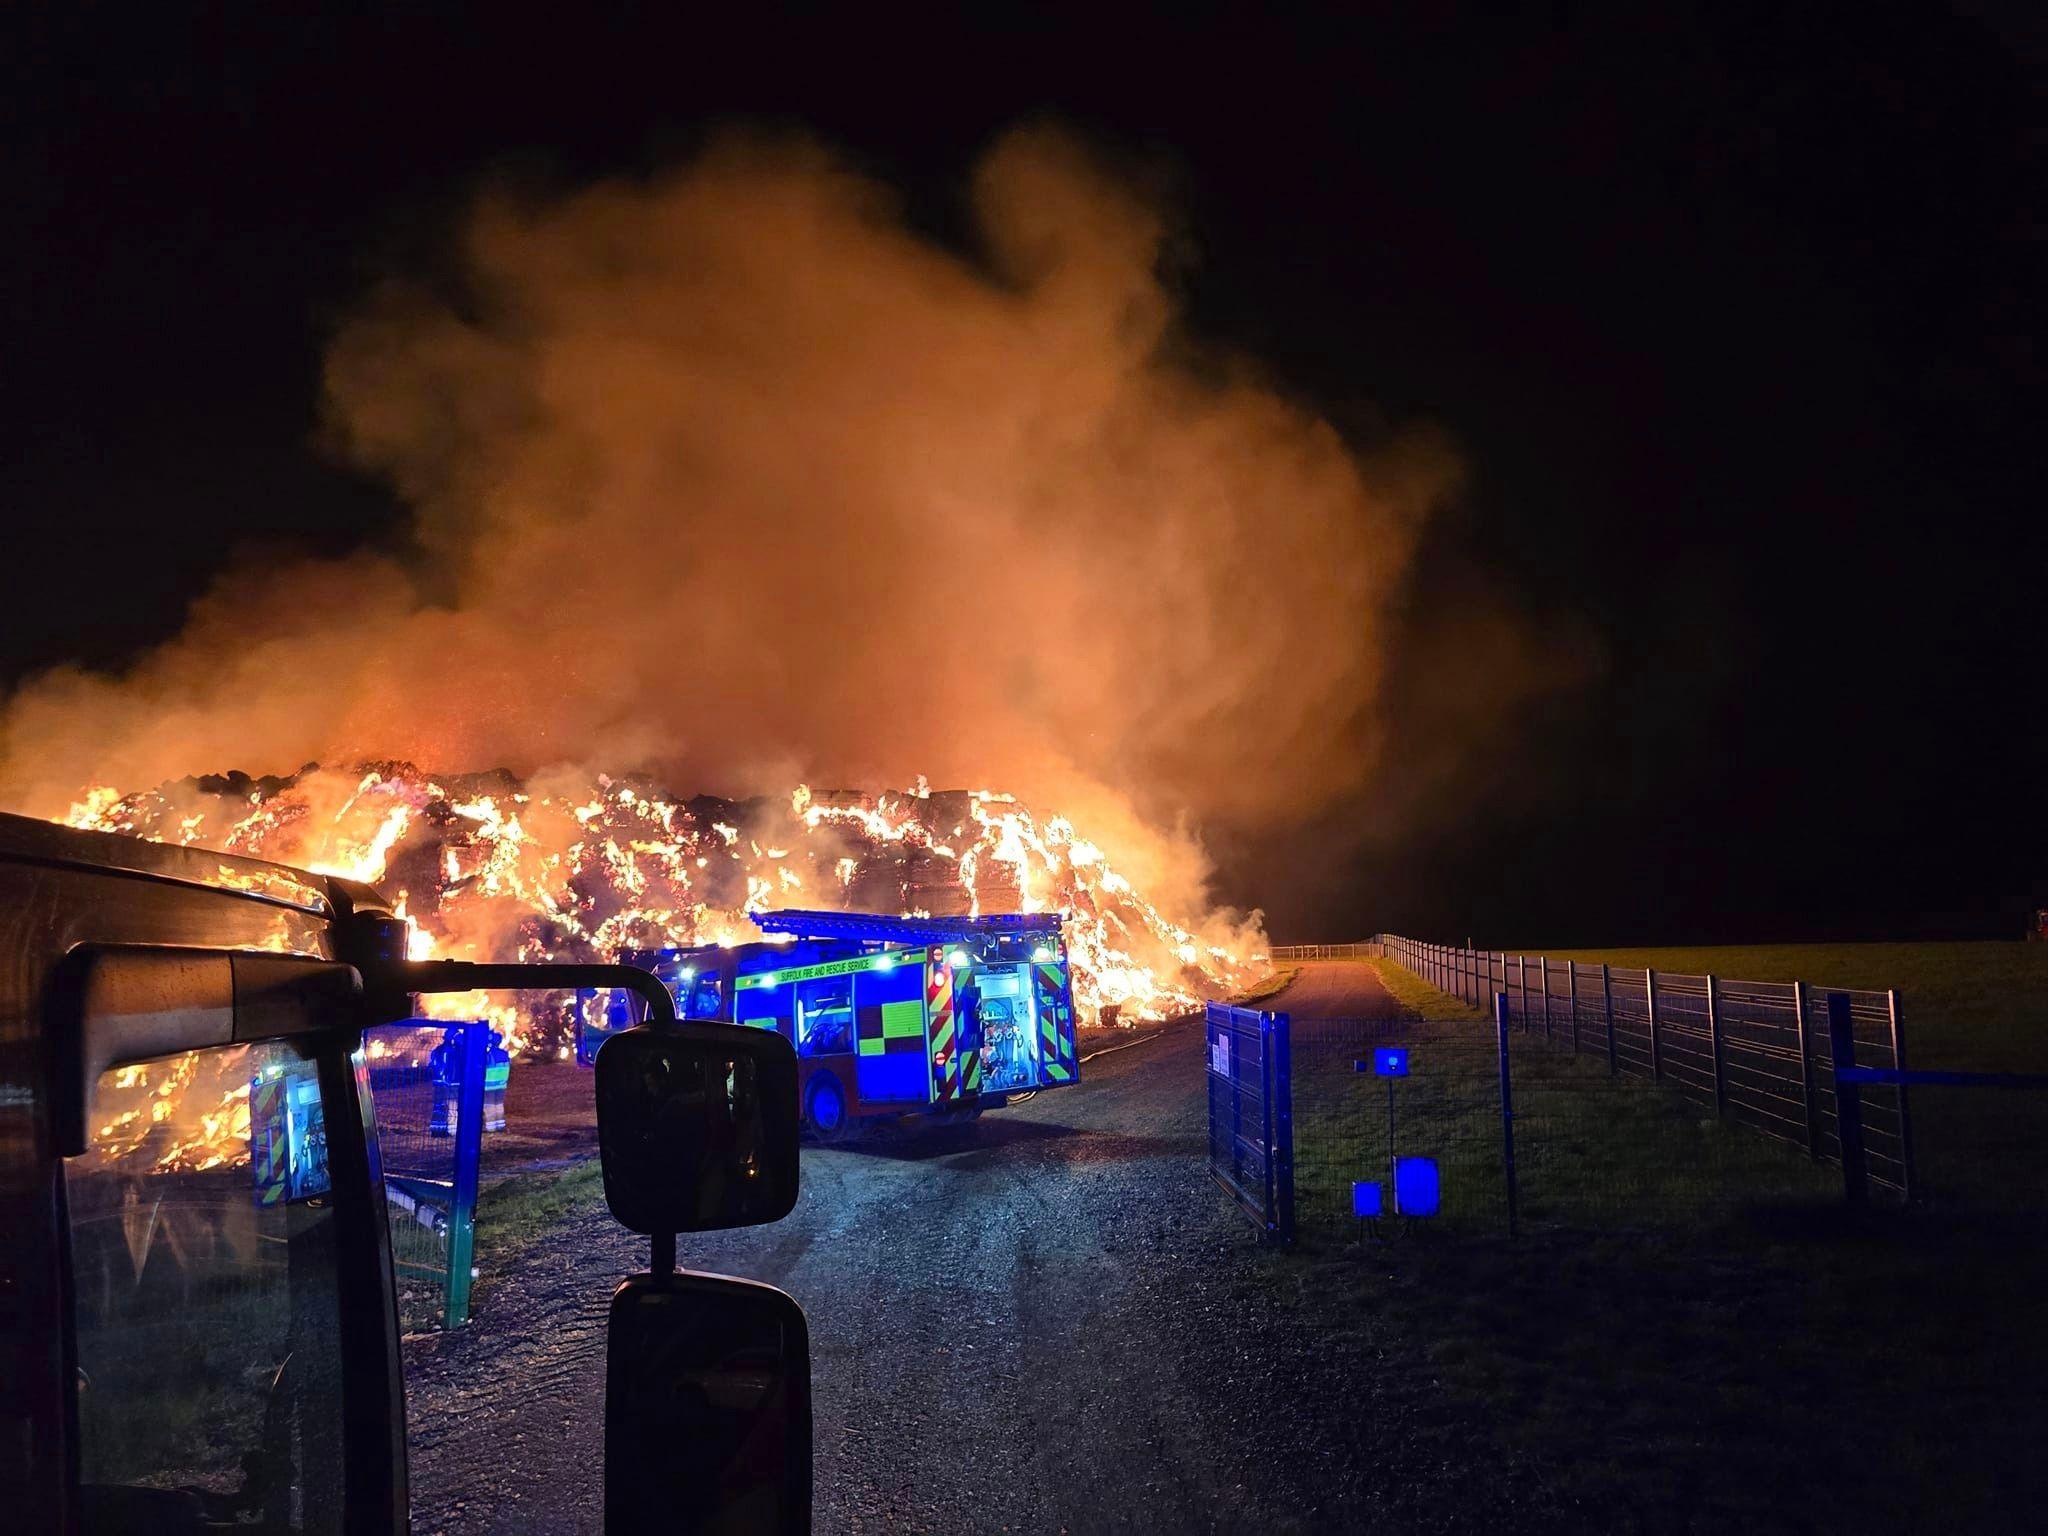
[26, 840]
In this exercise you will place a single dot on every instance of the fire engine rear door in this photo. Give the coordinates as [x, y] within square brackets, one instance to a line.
[1053, 1009]
[891, 1065]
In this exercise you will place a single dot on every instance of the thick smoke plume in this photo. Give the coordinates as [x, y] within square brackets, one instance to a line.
[731, 476]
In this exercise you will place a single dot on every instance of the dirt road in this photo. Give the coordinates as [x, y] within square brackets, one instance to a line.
[1049, 1321]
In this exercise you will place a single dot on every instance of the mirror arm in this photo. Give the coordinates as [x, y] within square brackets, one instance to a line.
[464, 976]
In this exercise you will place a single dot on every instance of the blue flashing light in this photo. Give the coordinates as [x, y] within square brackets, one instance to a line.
[885, 962]
[1418, 1190]
[768, 980]
[1365, 1199]
[791, 922]
[1042, 955]
[1390, 1061]
[958, 960]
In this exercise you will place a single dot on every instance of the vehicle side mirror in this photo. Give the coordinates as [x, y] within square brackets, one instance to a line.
[123, 1003]
[697, 1127]
[707, 1408]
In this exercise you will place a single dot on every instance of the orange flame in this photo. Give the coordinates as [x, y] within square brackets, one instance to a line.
[487, 870]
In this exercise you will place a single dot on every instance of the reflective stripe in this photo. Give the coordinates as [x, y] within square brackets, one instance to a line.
[938, 998]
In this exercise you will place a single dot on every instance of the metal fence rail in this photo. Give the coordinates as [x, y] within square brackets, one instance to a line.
[1251, 1121]
[1324, 951]
[1759, 1053]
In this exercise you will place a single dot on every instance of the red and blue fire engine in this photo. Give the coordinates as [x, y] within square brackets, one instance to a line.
[947, 1016]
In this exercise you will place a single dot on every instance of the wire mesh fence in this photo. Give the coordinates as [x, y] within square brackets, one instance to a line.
[1392, 1116]
[1760, 1054]
[1511, 1135]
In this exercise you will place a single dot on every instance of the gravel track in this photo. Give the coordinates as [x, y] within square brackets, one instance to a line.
[1051, 1320]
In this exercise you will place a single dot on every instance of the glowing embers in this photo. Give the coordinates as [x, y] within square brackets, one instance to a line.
[582, 867]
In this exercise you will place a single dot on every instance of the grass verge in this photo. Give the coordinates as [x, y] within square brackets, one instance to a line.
[1417, 997]
[1281, 979]
[516, 1213]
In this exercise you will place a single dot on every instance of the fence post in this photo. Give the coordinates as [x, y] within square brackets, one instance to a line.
[1848, 1102]
[1544, 961]
[1507, 1102]
[1905, 1116]
[469, 1142]
[1283, 1118]
[1714, 1037]
[1571, 985]
[1806, 1083]
[1268, 1174]
[1650, 990]
[1607, 1008]
[1522, 983]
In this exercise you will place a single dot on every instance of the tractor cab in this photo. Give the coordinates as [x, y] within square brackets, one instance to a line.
[198, 1328]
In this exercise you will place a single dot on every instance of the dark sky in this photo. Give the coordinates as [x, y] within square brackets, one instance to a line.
[1733, 313]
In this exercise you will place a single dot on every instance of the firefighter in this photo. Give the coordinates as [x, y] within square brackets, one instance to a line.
[497, 1077]
[444, 1066]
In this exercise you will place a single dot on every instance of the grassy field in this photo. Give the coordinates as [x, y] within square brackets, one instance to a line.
[1692, 1333]
[1965, 1007]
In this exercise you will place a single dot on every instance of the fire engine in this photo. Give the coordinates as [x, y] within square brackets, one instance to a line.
[889, 1015]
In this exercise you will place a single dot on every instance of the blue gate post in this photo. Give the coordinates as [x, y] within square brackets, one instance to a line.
[1507, 1103]
[1280, 1140]
[1848, 1102]
[469, 1141]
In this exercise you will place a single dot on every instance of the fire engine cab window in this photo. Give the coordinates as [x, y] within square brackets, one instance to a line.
[203, 1262]
[703, 1001]
[824, 1016]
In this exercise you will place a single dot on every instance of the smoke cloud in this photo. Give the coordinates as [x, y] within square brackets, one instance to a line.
[731, 476]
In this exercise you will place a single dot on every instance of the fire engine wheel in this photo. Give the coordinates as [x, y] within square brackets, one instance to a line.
[825, 1108]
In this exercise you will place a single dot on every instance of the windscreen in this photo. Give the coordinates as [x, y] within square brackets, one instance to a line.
[203, 1259]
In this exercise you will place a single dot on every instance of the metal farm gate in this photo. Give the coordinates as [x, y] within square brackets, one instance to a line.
[427, 1086]
[1251, 1116]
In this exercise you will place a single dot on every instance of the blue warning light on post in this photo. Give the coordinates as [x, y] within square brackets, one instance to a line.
[1390, 1061]
[1365, 1199]
[1418, 1191]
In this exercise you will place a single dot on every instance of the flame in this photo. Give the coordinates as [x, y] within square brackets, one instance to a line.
[158, 1110]
[579, 870]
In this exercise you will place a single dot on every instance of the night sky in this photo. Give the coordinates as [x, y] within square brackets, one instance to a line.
[1732, 314]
